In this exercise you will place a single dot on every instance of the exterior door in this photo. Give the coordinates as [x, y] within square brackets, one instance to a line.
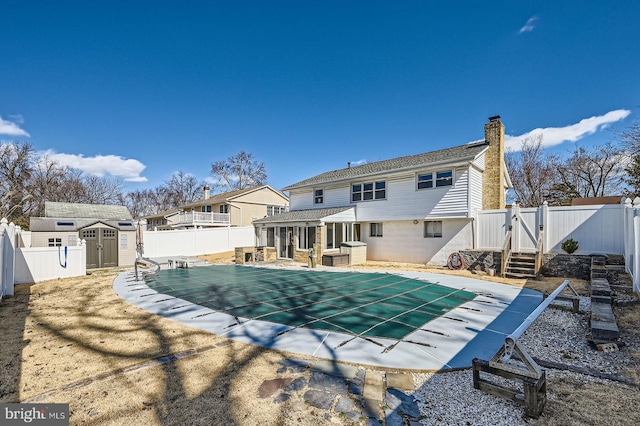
[102, 247]
[285, 237]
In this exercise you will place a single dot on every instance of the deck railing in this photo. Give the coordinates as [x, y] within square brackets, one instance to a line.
[204, 218]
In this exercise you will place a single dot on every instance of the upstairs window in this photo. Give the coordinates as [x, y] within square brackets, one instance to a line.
[274, 210]
[224, 208]
[318, 196]
[206, 209]
[369, 191]
[441, 178]
[425, 181]
[444, 178]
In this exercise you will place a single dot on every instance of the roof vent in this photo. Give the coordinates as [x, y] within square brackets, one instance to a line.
[348, 164]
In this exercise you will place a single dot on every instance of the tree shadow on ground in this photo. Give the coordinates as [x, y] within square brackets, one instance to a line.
[108, 360]
[14, 311]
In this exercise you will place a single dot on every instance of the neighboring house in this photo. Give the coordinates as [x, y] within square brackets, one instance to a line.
[235, 208]
[109, 231]
[417, 209]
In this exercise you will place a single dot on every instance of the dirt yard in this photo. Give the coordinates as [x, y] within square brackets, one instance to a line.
[74, 341]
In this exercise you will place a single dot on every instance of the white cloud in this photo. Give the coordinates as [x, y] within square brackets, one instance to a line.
[102, 165]
[552, 136]
[11, 128]
[529, 26]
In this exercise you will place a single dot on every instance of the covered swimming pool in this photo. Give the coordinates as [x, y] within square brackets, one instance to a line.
[405, 320]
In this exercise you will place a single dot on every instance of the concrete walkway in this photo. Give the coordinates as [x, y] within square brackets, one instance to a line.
[475, 329]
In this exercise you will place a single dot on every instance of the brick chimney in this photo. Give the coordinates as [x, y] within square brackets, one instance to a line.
[493, 187]
[206, 192]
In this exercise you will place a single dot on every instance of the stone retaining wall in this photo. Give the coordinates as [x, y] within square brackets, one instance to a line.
[553, 265]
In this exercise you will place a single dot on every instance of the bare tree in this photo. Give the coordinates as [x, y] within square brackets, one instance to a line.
[47, 184]
[630, 139]
[239, 171]
[532, 171]
[183, 188]
[15, 173]
[595, 172]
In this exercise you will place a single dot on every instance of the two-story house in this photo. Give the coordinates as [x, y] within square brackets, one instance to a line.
[416, 209]
[234, 208]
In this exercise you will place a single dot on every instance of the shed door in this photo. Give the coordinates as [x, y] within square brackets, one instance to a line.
[91, 238]
[109, 241]
[102, 247]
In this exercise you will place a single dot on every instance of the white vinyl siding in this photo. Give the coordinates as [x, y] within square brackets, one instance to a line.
[403, 200]
[332, 197]
[475, 191]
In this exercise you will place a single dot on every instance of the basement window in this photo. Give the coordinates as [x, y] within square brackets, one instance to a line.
[433, 229]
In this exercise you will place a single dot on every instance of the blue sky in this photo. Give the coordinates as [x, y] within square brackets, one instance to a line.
[138, 90]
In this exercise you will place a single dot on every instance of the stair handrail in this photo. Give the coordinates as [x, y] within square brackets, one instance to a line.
[506, 253]
[539, 250]
[145, 276]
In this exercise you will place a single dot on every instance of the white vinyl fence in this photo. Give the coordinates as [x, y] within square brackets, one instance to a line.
[45, 263]
[195, 242]
[599, 229]
[631, 229]
[8, 239]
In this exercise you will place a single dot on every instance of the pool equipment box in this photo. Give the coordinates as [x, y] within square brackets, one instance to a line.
[357, 251]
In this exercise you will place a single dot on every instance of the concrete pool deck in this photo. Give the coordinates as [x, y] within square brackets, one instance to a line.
[475, 329]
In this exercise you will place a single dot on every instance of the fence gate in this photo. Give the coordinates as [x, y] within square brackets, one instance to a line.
[525, 224]
[102, 247]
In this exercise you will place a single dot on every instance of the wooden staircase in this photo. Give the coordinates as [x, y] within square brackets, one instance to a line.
[521, 265]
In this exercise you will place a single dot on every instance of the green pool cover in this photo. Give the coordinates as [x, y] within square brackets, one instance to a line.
[364, 304]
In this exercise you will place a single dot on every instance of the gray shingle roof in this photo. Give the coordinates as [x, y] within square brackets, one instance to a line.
[448, 155]
[303, 215]
[86, 211]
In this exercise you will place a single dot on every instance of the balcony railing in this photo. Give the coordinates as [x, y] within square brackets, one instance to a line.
[204, 219]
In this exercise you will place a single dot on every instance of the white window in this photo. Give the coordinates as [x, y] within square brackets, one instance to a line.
[306, 237]
[318, 196]
[206, 209]
[375, 229]
[444, 178]
[433, 229]
[274, 210]
[123, 241]
[335, 235]
[425, 181]
[369, 191]
[441, 178]
[224, 208]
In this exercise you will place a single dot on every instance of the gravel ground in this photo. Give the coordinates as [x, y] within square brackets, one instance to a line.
[557, 335]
